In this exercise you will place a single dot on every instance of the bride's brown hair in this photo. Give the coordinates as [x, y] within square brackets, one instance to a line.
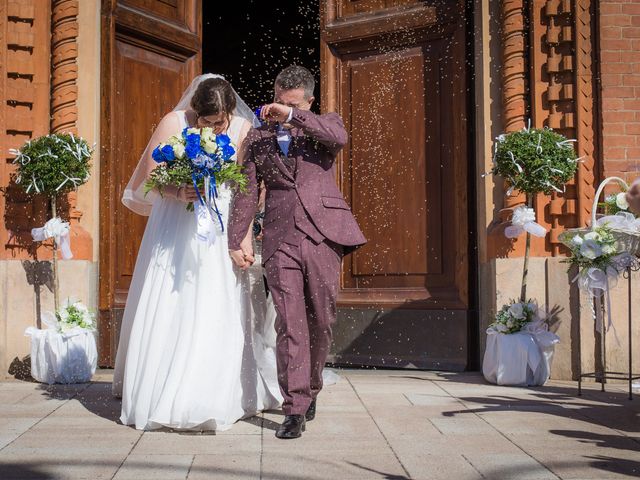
[214, 96]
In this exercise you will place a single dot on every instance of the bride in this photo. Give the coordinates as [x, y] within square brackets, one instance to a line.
[197, 344]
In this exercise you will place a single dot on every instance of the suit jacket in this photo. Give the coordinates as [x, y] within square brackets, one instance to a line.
[315, 142]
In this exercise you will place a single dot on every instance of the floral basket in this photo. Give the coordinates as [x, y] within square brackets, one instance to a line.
[627, 238]
[63, 352]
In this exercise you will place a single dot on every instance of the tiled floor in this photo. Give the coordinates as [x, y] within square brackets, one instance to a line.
[370, 425]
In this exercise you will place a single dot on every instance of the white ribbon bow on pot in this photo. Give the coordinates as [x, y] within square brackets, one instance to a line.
[524, 220]
[59, 231]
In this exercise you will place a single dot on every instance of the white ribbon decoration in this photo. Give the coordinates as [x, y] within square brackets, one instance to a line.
[206, 217]
[524, 220]
[75, 180]
[20, 157]
[625, 221]
[59, 231]
[597, 282]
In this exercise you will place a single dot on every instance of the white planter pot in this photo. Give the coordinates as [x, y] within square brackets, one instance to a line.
[518, 359]
[69, 357]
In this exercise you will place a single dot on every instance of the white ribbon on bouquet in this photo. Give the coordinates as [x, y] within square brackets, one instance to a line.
[524, 220]
[206, 230]
[59, 231]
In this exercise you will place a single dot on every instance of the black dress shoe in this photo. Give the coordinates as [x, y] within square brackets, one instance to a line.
[292, 427]
[311, 411]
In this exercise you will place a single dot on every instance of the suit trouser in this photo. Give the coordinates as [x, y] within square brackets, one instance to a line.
[303, 280]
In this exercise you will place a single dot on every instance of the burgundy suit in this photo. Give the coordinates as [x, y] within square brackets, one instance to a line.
[308, 226]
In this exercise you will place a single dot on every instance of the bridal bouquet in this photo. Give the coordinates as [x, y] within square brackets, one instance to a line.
[199, 157]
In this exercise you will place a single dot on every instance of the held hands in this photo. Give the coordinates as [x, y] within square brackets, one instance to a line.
[275, 112]
[244, 257]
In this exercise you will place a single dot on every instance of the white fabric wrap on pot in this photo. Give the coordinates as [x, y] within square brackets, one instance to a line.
[519, 359]
[59, 231]
[62, 357]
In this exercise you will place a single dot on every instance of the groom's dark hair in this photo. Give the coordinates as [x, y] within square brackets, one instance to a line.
[296, 76]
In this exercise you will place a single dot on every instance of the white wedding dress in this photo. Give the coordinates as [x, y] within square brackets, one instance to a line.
[197, 343]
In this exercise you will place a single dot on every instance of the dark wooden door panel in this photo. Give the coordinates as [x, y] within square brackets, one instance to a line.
[150, 52]
[395, 71]
[147, 102]
[388, 187]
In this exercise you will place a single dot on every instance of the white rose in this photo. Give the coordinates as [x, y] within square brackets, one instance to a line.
[621, 201]
[577, 240]
[590, 249]
[178, 150]
[609, 249]
[210, 147]
[516, 310]
[592, 236]
[207, 133]
[193, 130]
[501, 328]
[174, 140]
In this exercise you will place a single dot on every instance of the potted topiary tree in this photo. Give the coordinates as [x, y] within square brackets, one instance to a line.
[53, 165]
[531, 161]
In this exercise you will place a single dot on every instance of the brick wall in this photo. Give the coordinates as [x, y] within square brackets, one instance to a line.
[620, 79]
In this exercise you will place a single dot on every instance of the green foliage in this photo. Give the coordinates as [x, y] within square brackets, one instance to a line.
[178, 173]
[53, 164]
[75, 314]
[535, 160]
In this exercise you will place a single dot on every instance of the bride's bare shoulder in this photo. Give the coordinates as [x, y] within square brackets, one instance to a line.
[172, 119]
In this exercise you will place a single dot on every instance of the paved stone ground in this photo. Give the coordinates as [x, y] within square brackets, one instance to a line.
[371, 425]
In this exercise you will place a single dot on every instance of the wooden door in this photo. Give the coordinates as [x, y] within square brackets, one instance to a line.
[150, 53]
[396, 72]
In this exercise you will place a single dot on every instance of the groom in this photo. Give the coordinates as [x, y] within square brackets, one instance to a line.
[308, 227]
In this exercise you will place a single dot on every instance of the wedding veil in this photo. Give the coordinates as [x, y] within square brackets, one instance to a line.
[133, 196]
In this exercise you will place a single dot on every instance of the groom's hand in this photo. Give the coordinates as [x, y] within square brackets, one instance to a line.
[275, 112]
[239, 259]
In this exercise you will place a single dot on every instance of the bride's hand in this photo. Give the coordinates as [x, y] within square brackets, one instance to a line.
[183, 193]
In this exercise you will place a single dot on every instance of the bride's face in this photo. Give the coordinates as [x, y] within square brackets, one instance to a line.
[218, 122]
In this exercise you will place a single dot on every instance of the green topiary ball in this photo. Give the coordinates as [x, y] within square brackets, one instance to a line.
[535, 160]
[52, 164]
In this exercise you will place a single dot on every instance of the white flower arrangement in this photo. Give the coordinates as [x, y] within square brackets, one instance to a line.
[516, 317]
[594, 249]
[74, 314]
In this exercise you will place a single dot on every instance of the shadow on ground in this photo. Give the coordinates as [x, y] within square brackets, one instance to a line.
[610, 409]
[15, 471]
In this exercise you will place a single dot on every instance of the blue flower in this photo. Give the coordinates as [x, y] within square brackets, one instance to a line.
[223, 140]
[167, 152]
[227, 152]
[157, 155]
[192, 147]
[163, 153]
